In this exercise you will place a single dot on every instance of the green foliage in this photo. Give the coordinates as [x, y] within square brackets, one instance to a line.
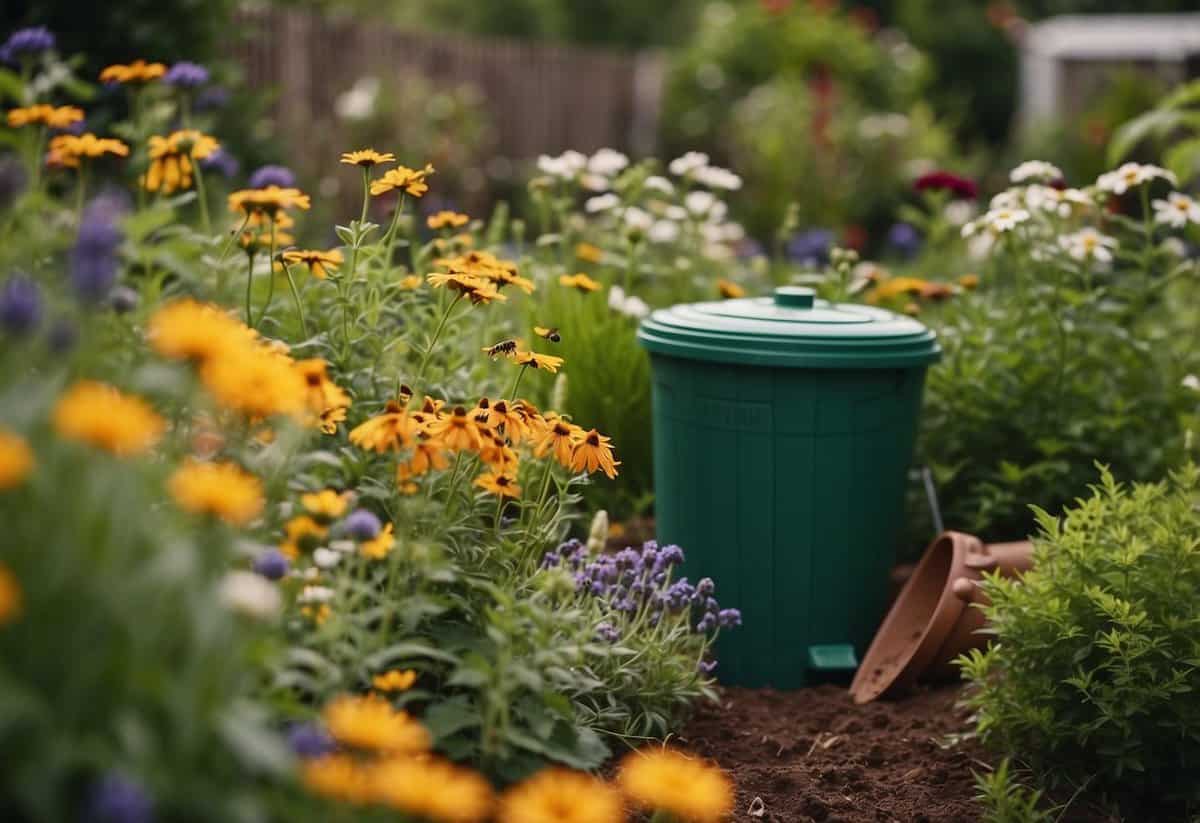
[1095, 659]
[1175, 122]
[1005, 800]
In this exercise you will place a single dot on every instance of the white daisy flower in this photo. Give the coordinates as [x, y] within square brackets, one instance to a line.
[1061, 202]
[250, 594]
[1177, 210]
[1089, 244]
[1191, 382]
[316, 594]
[626, 304]
[566, 166]
[1131, 175]
[1008, 199]
[716, 177]
[1002, 220]
[603, 202]
[688, 163]
[343, 546]
[699, 202]
[639, 219]
[958, 212]
[658, 183]
[1038, 171]
[663, 231]
[594, 182]
[326, 558]
[676, 212]
[607, 162]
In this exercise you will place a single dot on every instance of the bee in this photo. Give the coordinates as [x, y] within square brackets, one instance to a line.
[548, 334]
[505, 348]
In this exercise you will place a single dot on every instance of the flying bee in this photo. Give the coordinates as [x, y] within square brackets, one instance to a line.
[506, 348]
[548, 334]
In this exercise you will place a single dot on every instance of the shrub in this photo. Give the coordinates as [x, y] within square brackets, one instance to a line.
[1093, 672]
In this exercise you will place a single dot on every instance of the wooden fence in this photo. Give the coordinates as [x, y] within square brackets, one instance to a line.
[539, 97]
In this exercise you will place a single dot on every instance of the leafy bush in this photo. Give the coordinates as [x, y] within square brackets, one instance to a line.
[1096, 655]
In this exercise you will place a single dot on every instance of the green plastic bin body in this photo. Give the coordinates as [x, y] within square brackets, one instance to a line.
[783, 432]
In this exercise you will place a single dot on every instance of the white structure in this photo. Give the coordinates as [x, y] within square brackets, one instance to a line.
[1065, 58]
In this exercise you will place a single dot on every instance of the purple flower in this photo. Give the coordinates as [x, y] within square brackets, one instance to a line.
[705, 587]
[118, 799]
[271, 564]
[598, 588]
[186, 75]
[265, 176]
[707, 624]
[729, 618]
[62, 336]
[810, 247]
[904, 238]
[222, 162]
[123, 299]
[94, 257]
[26, 42]
[309, 740]
[362, 525]
[607, 632]
[213, 97]
[551, 560]
[672, 555]
[707, 667]
[20, 306]
[628, 558]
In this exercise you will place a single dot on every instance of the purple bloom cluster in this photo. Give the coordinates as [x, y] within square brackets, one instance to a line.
[94, 257]
[118, 799]
[20, 305]
[186, 75]
[265, 176]
[362, 525]
[26, 42]
[271, 564]
[213, 97]
[633, 580]
[309, 740]
[222, 162]
[810, 247]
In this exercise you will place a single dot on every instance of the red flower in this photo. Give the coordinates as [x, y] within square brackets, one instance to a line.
[960, 187]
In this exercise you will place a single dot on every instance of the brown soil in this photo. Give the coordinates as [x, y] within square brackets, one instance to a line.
[812, 755]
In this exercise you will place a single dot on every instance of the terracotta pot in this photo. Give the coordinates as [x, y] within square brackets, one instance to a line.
[933, 620]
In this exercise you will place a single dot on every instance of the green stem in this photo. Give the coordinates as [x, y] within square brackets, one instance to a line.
[225, 252]
[436, 334]
[512, 395]
[296, 297]
[390, 239]
[202, 197]
[249, 286]
[270, 275]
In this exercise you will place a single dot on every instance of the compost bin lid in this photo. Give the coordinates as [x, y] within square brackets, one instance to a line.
[790, 328]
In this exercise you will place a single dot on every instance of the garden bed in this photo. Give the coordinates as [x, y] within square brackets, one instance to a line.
[812, 754]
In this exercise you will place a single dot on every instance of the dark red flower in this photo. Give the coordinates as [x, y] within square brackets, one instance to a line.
[960, 187]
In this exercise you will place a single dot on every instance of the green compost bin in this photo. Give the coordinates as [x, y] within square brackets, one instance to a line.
[783, 432]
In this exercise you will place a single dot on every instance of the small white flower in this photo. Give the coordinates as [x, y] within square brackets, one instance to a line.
[657, 183]
[638, 219]
[326, 558]
[603, 202]
[688, 163]
[1130, 175]
[1191, 382]
[316, 594]
[566, 166]
[607, 162]
[594, 182]
[714, 233]
[663, 231]
[1177, 210]
[1001, 220]
[717, 251]
[250, 594]
[699, 202]
[626, 304]
[1061, 202]
[734, 233]
[1007, 199]
[958, 212]
[716, 177]
[1038, 171]
[344, 546]
[358, 102]
[1089, 244]
[676, 212]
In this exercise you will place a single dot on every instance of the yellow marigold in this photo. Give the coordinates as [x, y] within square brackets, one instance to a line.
[677, 783]
[367, 158]
[393, 430]
[499, 484]
[444, 219]
[394, 680]
[337, 776]
[326, 505]
[66, 150]
[559, 796]
[223, 490]
[578, 281]
[411, 281]
[186, 329]
[319, 262]
[730, 290]
[16, 459]
[172, 159]
[402, 178]
[257, 382]
[546, 362]
[268, 201]
[41, 114]
[301, 533]
[594, 451]
[139, 71]
[10, 596]
[589, 253]
[99, 415]
[379, 546]
[433, 790]
[370, 722]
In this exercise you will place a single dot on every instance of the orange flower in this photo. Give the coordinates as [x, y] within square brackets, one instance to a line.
[367, 158]
[318, 262]
[55, 118]
[442, 219]
[593, 451]
[391, 431]
[410, 181]
[499, 484]
[457, 431]
[139, 71]
[579, 281]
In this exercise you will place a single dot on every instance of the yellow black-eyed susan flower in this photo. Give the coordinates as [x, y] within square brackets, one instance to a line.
[99, 415]
[681, 785]
[367, 158]
[392, 430]
[223, 490]
[499, 484]
[369, 723]
[41, 114]
[430, 788]
[593, 451]
[319, 262]
[268, 200]
[137, 72]
[545, 362]
[579, 281]
[404, 179]
[447, 219]
[556, 794]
